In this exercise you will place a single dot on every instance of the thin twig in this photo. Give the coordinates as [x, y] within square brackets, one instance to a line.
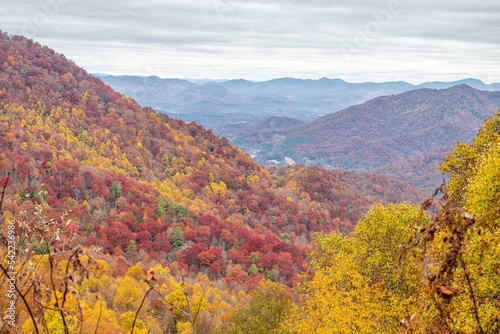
[99, 318]
[140, 306]
[51, 260]
[196, 315]
[188, 302]
[28, 279]
[80, 313]
[171, 304]
[25, 302]
[77, 250]
[473, 297]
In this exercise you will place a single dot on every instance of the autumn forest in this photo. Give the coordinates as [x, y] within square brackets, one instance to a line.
[119, 219]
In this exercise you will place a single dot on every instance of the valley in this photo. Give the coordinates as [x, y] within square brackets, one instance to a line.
[120, 218]
[395, 129]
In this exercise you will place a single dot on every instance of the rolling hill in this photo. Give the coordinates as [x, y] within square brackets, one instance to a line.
[230, 107]
[403, 136]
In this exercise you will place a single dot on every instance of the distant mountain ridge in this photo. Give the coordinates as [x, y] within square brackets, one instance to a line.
[387, 134]
[219, 105]
[293, 89]
[276, 123]
[474, 83]
[434, 116]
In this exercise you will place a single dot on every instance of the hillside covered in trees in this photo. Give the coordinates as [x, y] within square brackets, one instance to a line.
[132, 186]
[116, 219]
[404, 270]
[403, 136]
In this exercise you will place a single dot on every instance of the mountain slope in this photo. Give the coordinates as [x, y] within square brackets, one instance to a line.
[249, 102]
[474, 83]
[276, 123]
[150, 188]
[388, 129]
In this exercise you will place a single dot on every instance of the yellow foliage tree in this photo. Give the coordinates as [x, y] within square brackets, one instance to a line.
[128, 295]
[367, 283]
[97, 318]
[338, 299]
[127, 320]
[270, 305]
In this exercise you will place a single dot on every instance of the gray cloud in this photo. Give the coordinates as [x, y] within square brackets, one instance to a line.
[357, 40]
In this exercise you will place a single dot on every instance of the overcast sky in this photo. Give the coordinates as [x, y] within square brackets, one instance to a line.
[370, 40]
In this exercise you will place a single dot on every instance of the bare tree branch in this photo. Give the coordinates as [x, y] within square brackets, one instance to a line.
[140, 306]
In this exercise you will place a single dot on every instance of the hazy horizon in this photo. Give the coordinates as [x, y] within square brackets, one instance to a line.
[207, 80]
[358, 41]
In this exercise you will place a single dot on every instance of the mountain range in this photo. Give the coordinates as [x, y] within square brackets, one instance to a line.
[393, 128]
[142, 186]
[404, 136]
[119, 219]
[230, 107]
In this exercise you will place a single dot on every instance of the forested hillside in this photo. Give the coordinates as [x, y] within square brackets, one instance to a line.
[406, 271]
[403, 136]
[118, 220]
[109, 203]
